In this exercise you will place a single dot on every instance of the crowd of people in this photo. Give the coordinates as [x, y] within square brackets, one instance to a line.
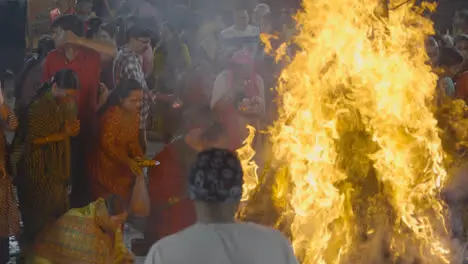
[105, 80]
[85, 103]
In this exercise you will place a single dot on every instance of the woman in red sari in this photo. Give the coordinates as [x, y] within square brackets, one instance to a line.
[114, 162]
[171, 210]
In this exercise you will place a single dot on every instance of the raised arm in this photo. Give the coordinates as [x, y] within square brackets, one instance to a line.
[103, 47]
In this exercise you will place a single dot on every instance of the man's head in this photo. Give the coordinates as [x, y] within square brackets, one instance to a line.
[241, 18]
[65, 83]
[139, 38]
[460, 21]
[117, 210]
[259, 11]
[461, 43]
[242, 64]
[215, 185]
[66, 23]
[84, 7]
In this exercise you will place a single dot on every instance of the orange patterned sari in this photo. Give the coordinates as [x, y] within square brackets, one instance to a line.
[117, 144]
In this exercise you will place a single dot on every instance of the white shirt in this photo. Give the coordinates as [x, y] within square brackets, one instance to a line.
[233, 243]
[223, 85]
[234, 39]
[232, 32]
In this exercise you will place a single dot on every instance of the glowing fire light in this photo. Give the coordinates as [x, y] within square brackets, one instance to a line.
[355, 101]
[246, 154]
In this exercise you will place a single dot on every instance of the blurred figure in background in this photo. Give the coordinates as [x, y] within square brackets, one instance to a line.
[432, 49]
[84, 10]
[460, 23]
[107, 33]
[238, 98]
[208, 39]
[171, 209]
[449, 64]
[64, 7]
[92, 26]
[197, 87]
[28, 81]
[259, 11]
[240, 36]
[461, 79]
[171, 61]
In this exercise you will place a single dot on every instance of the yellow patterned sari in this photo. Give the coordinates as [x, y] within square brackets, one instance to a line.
[82, 236]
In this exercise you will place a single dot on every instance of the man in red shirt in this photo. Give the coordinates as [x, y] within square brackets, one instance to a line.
[83, 57]
[64, 7]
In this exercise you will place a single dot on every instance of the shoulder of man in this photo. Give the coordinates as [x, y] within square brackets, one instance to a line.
[226, 32]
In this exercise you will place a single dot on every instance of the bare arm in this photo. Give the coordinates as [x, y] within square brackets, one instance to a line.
[103, 47]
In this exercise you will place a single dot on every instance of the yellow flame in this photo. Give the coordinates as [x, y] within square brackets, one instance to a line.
[246, 154]
[360, 73]
[265, 39]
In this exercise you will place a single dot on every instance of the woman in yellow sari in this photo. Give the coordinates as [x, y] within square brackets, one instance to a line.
[114, 163]
[88, 235]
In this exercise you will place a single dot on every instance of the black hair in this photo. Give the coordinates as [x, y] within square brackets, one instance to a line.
[449, 57]
[110, 28]
[463, 14]
[44, 45]
[115, 205]
[138, 30]
[93, 27]
[69, 23]
[459, 38]
[122, 91]
[66, 79]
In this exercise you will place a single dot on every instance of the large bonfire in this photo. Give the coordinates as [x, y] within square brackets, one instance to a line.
[357, 155]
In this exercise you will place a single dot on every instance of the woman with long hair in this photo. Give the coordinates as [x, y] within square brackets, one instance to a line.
[171, 60]
[113, 164]
[29, 79]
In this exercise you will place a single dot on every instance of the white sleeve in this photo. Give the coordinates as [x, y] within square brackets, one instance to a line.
[154, 256]
[290, 256]
[219, 89]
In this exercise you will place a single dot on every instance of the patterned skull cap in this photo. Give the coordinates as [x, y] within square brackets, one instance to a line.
[216, 176]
